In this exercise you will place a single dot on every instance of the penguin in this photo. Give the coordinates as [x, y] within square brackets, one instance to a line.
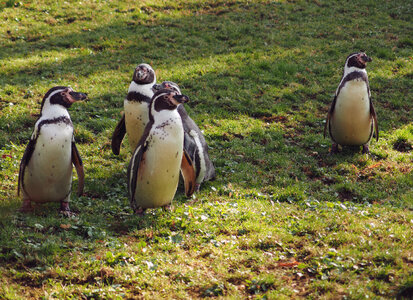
[352, 118]
[136, 106]
[153, 171]
[45, 173]
[195, 145]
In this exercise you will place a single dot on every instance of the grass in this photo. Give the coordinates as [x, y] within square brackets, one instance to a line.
[283, 219]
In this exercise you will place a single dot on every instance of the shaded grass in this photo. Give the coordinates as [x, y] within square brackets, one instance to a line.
[283, 219]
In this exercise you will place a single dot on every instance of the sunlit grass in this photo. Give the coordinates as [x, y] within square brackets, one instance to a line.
[282, 220]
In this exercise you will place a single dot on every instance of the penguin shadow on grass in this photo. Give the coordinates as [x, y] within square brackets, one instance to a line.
[48, 209]
[349, 151]
[8, 207]
[346, 154]
[127, 220]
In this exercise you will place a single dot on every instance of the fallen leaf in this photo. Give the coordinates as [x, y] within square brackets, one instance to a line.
[288, 264]
[65, 226]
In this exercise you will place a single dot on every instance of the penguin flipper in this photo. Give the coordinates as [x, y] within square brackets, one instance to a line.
[190, 146]
[329, 114]
[118, 135]
[77, 162]
[133, 169]
[188, 174]
[24, 162]
[192, 133]
[374, 116]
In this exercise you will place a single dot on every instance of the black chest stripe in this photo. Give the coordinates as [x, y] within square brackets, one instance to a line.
[64, 120]
[352, 76]
[137, 97]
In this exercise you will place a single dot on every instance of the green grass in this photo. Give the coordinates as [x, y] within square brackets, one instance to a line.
[283, 219]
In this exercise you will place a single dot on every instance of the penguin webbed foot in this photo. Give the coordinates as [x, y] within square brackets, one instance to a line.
[366, 149]
[167, 207]
[334, 149]
[139, 211]
[65, 210]
[26, 206]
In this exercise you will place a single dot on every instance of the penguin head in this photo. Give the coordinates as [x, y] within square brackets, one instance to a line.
[144, 74]
[61, 95]
[167, 99]
[169, 85]
[357, 60]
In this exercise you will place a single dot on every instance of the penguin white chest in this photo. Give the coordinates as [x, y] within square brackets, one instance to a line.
[136, 118]
[159, 172]
[351, 122]
[48, 175]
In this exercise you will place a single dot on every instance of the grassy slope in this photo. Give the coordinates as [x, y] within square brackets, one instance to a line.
[282, 219]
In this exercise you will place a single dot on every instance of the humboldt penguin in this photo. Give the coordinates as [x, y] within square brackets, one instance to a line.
[153, 172]
[195, 144]
[136, 107]
[352, 118]
[45, 173]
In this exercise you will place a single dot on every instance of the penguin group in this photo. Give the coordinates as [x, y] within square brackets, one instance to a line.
[165, 142]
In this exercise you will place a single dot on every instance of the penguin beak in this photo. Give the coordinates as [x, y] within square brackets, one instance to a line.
[366, 58]
[77, 96]
[181, 98]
